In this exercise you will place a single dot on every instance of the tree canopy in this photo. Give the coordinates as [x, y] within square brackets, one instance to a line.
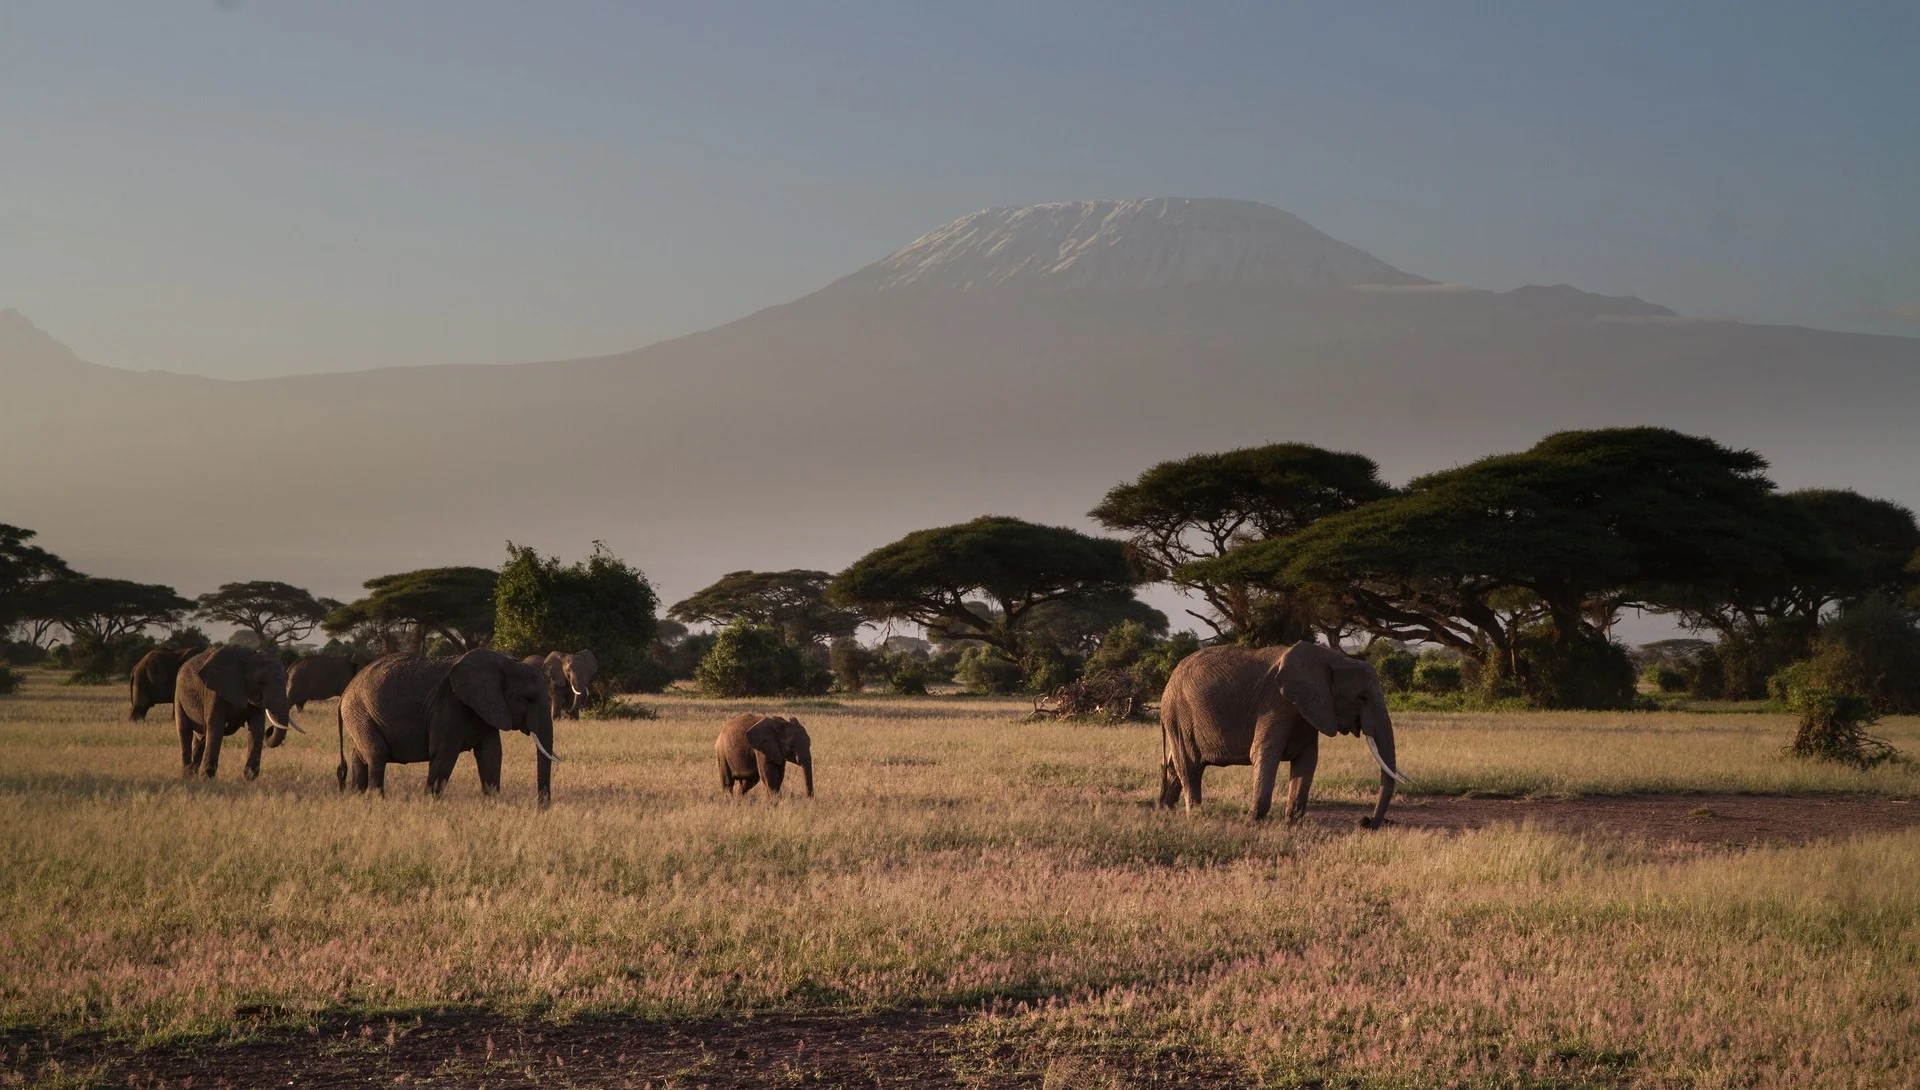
[929, 575]
[1180, 512]
[276, 613]
[100, 609]
[599, 604]
[24, 567]
[1570, 531]
[456, 603]
[793, 603]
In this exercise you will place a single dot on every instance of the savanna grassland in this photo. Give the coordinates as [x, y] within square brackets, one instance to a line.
[960, 860]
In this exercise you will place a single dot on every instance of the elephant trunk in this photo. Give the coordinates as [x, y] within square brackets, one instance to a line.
[279, 715]
[1380, 741]
[805, 760]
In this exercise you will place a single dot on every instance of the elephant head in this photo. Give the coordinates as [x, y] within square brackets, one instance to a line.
[796, 747]
[1339, 694]
[252, 679]
[572, 673]
[509, 696]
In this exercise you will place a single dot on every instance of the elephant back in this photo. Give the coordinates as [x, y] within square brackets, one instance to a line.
[1216, 696]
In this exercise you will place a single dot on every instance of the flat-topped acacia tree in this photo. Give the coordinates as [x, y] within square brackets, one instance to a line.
[928, 576]
[276, 613]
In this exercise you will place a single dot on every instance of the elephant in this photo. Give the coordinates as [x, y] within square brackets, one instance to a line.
[1260, 706]
[568, 679]
[222, 689]
[403, 709]
[320, 677]
[754, 747]
[152, 679]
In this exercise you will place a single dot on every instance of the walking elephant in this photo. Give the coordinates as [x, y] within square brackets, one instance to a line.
[320, 677]
[568, 679]
[1261, 706]
[220, 690]
[402, 709]
[754, 747]
[151, 681]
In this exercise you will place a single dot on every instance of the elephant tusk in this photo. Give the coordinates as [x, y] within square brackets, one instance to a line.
[289, 724]
[1384, 766]
[577, 692]
[545, 752]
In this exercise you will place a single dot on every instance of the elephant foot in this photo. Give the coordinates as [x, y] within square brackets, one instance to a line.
[251, 774]
[1370, 823]
[546, 800]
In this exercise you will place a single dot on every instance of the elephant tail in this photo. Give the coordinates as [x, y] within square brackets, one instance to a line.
[340, 730]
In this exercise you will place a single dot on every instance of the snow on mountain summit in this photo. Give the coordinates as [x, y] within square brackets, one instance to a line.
[1111, 245]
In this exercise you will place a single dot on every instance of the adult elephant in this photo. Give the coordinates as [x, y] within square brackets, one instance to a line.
[755, 747]
[402, 709]
[1261, 706]
[222, 689]
[151, 681]
[320, 677]
[568, 679]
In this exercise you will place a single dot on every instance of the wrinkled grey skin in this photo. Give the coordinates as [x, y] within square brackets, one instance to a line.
[569, 677]
[754, 747]
[1261, 706]
[320, 677]
[151, 681]
[220, 690]
[403, 709]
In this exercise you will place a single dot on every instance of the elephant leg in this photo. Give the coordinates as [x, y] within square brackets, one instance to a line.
[487, 756]
[440, 769]
[1301, 781]
[1190, 773]
[726, 775]
[210, 753]
[770, 770]
[1266, 764]
[1169, 785]
[359, 773]
[189, 745]
[256, 741]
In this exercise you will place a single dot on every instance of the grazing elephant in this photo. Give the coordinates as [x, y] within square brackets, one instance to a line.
[152, 679]
[222, 689]
[753, 747]
[568, 678]
[402, 709]
[320, 677]
[1261, 706]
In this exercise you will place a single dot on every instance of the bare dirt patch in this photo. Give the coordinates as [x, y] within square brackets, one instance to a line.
[486, 1050]
[1688, 821]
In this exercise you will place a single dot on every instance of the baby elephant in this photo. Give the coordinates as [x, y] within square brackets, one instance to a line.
[754, 747]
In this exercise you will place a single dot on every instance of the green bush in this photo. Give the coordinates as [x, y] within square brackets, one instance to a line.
[1663, 678]
[984, 670]
[907, 672]
[10, 680]
[1871, 649]
[1738, 667]
[1394, 664]
[752, 660]
[106, 662]
[1046, 666]
[1436, 672]
[599, 604]
[1131, 649]
[851, 664]
[1833, 722]
[1577, 672]
[21, 653]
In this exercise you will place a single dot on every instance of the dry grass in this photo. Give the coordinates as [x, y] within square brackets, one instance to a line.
[957, 857]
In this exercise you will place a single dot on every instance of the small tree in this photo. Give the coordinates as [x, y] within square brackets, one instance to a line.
[851, 664]
[404, 608]
[276, 613]
[105, 617]
[794, 603]
[600, 604]
[25, 570]
[929, 577]
[752, 660]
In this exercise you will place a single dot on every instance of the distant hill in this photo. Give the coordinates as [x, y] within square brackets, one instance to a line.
[1018, 361]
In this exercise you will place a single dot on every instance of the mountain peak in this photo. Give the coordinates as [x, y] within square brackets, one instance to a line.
[1126, 245]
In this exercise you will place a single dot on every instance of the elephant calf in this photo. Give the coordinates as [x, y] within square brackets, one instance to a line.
[754, 747]
[1261, 706]
[404, 710]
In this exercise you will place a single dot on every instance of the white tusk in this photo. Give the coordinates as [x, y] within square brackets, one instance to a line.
[1384, 766]
[577, 692]
[286, 725]
[547, 753]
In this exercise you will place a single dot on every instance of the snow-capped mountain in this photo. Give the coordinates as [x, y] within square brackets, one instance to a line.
[1132, 245]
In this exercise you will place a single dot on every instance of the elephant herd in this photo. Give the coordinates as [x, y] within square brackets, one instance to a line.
[1221, 706]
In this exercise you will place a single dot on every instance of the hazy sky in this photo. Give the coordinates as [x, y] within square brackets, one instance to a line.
[264, 188]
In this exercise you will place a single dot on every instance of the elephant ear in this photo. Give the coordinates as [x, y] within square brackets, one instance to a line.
[222, 673]
[555, 668]
[479, 681]
[1306, 681]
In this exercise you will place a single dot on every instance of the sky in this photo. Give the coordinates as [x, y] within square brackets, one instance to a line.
[245, 189]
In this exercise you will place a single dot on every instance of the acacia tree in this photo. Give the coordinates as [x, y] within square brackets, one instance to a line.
[929, 576]
[274, 612]
[99, 610]
[26, 570]
[456, 603]
[1556, 540]
[1181, 512]
[793, 603]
